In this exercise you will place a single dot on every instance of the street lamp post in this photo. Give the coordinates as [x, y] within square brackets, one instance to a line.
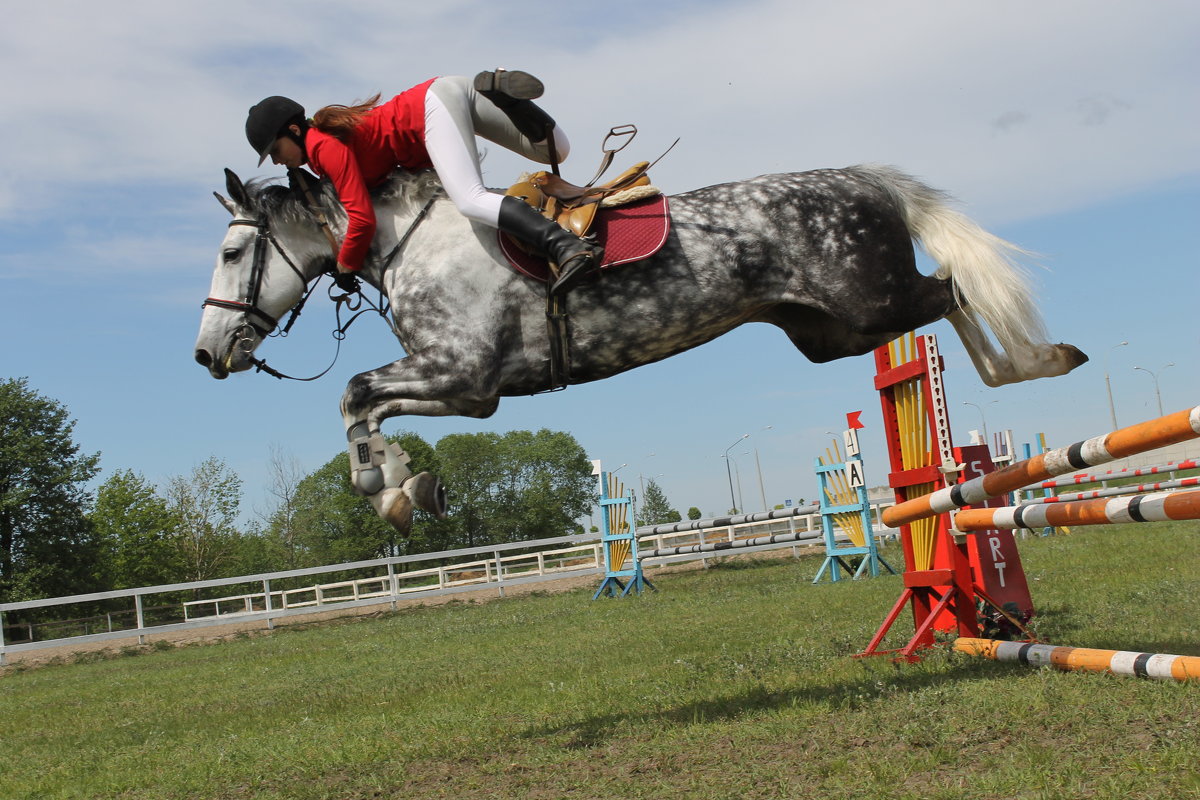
[762, 492]
[728, 473]
[1157, 393]
[982, 419]
[1112, 409]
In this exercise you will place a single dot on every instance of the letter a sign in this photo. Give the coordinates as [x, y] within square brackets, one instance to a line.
[854, 474]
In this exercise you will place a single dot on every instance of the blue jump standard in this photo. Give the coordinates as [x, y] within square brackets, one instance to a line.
[635, 581]
[836, 553]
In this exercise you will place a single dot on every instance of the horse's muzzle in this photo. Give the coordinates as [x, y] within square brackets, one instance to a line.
[214, 366]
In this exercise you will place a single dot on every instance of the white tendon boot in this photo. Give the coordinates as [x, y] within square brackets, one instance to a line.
[379, 471]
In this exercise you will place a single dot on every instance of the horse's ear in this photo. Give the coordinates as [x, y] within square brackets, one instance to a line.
[228, 205]
[236, 189]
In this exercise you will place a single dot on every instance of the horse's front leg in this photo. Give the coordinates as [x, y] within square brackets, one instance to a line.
[415, 386]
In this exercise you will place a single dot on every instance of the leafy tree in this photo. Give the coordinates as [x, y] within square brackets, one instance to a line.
[138, 533]
[515, 487]
[324, 522]
[694, 513]
[333, 524]
[47, 546]
[206, 505]
[655, 509]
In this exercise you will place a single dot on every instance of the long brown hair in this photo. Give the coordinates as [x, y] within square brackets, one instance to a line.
[340, 121]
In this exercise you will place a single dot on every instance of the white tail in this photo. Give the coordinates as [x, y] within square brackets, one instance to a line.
[987, 277]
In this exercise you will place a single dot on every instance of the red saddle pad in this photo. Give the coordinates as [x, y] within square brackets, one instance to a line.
[628, 233]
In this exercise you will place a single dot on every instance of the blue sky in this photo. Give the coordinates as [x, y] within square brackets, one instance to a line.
[1071, 128]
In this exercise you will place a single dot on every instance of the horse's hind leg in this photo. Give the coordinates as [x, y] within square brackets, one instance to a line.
[997, 368]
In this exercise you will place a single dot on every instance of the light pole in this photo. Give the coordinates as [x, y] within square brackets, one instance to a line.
[737, 478]
[1157, 394]
[642, 479]
[728, 474]
[762, 492]
[1112, 409]
[982, 419]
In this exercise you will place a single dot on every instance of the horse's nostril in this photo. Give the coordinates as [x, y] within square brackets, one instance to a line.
[203, 358]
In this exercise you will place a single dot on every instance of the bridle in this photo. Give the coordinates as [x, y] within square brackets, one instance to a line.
[265, 325]
[249, 306]
[260, 321]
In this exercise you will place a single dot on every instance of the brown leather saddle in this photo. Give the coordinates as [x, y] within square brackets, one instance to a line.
[574, 207]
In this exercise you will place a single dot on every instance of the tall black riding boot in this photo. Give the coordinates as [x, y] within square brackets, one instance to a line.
[511, 92]
[575, 257]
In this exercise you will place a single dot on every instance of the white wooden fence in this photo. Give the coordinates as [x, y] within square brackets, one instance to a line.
[389, 580]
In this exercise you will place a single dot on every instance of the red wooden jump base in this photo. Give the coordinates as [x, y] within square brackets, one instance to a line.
[947, 576]
[1162, 666]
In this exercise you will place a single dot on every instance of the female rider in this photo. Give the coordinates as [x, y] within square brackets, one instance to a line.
[431, 125]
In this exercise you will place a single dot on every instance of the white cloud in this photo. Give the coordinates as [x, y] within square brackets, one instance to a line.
[1091, 101]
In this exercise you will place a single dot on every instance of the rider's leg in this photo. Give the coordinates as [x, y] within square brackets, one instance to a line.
[513, 93]
[475, 115]
[448, 107]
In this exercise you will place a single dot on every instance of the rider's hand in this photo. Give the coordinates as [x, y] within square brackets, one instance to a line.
[346, 279]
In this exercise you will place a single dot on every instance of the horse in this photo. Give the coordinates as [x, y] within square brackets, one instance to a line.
[827, 256]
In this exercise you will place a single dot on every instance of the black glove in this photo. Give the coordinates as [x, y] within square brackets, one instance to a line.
[346, 281]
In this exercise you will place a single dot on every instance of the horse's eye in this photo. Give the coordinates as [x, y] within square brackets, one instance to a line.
[232, 254]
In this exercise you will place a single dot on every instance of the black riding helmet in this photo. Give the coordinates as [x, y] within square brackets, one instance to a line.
[268, 120]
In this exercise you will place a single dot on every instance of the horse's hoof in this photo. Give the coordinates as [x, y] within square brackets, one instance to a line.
[427, 493]
[396, 508]
[1071, 355]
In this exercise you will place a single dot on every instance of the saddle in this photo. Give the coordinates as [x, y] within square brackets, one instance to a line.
[574, 207]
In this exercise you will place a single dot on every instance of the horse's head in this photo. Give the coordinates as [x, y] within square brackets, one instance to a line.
[258, 277]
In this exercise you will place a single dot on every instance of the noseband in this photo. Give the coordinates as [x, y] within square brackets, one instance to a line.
[262, 322]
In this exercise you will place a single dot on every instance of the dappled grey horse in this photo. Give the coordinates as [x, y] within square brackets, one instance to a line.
[827, 256]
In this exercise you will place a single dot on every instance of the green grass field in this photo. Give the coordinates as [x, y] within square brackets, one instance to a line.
[732, 682]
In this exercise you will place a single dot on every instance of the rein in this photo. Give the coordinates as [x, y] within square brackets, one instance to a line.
[265, 324]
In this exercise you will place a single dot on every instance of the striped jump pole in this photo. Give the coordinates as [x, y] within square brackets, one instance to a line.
[1156, 507]
[1113, 491]
[1113, 474]
[1162, 432]
[811, 537]
[1162, 666]
[725, 522]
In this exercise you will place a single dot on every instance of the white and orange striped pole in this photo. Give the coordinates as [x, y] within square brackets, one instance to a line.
[1171, 429]
[1162, 666]
[1155, 507]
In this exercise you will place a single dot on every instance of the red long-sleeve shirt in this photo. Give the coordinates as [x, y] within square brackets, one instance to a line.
[390, 135]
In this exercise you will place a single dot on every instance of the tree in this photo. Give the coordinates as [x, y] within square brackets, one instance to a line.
[322, 521]
[206, 506]
[655, 509]
[47, 546]
[137, 532]
[285, 476]
[515, 487]
[333, 524]
[694, 513]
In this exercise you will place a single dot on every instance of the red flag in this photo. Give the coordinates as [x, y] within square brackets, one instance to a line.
[852, 421]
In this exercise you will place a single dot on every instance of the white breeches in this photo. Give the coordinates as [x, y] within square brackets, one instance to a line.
[454, 115]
